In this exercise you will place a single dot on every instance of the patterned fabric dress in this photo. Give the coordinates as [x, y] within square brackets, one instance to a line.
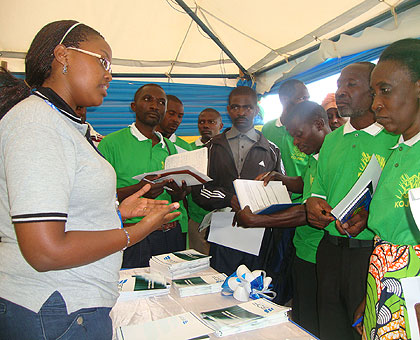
[385, 304]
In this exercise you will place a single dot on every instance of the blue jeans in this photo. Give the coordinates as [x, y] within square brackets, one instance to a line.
[53, 322]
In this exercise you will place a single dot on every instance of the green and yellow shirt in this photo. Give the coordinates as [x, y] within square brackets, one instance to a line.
[343, 157]
[389, 214]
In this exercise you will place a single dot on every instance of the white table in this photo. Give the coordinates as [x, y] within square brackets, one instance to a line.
[158, 307]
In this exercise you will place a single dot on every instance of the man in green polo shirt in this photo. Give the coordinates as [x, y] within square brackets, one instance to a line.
[342, 261]
[140, 149]
[172, 120]
[209, 125]
[308, 125]
[291, 92]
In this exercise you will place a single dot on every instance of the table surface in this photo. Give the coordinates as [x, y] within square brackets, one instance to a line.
[158, 307]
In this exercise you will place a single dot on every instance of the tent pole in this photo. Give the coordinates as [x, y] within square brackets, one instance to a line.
[212, 36]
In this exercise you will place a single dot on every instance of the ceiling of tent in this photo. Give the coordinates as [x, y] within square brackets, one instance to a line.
[158, 37]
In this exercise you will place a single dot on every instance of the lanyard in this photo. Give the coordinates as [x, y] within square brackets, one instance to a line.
[96, 149]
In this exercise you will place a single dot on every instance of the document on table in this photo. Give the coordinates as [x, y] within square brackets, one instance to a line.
[221, 232]
[360, 194]
[259, 197]
[411, 289]
[414, 197]
[178, 327]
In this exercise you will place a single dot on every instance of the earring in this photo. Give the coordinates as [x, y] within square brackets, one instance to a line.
[65, 69]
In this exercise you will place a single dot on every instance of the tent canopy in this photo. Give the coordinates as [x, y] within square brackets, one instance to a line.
[207, 41]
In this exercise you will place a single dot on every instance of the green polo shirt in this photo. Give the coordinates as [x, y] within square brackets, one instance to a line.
[344, 155]
[389, 214]
[132, 155]
[307, 238]
[180, 143]
[294, 160]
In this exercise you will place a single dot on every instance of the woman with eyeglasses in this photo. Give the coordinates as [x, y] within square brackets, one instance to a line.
[60, 229]
[395, 82]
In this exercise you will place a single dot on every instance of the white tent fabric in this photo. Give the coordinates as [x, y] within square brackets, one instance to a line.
[157, 37]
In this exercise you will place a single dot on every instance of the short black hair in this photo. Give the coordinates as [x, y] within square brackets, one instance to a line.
[405, 52]
[142, 87]
[39, 59]
[209, 109]
[307, 112]
[170, 97]
[244, 91]
[288, 87]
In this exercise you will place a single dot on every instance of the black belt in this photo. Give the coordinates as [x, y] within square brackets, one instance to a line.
[346, 242]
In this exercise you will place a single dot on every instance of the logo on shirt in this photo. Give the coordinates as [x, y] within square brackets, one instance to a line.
[366, 159]
[297, 154]
[406, 183]
[261, 163]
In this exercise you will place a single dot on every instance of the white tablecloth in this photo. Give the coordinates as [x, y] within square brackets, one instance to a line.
[155, 308]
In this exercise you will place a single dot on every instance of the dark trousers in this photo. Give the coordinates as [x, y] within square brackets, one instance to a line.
[53, 322]
[304, 303]
[158, 242]
[342, 268]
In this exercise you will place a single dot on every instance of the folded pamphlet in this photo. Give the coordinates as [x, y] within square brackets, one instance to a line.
[198, 285]
[178, 327]
[177, 264]
[246, 316]
[360, 195]
[141, 285]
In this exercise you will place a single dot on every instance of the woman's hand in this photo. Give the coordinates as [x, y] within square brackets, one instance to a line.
[136, 205]
[157, 216]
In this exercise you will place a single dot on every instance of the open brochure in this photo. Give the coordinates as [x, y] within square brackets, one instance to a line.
[246, 316]
[198, 285]
[262, 199]
[190, 167]
[360, 195]
[141, 285]
[178, 327]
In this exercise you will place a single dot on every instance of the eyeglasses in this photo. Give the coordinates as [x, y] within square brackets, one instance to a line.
[105, 62]
[236, 108]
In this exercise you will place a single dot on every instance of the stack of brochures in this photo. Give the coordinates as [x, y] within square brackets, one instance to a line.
[246, 316]
[179, 264]
[141, 285]
[178, 327]
[198, 285]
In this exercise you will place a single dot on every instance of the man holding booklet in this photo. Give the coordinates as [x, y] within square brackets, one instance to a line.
[140, 149]
[343, 254]
[307, 123]
[239, 152]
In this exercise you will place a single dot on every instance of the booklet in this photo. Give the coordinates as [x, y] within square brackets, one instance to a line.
[178, 327]
[262, 199]
[246, 316]
[141, 285]
[198, 285]
[190, 167]
[177, 264]
[360, 195]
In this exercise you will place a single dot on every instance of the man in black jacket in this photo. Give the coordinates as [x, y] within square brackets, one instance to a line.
[239, 152]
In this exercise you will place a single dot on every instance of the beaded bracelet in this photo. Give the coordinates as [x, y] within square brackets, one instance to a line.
[128, 239]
